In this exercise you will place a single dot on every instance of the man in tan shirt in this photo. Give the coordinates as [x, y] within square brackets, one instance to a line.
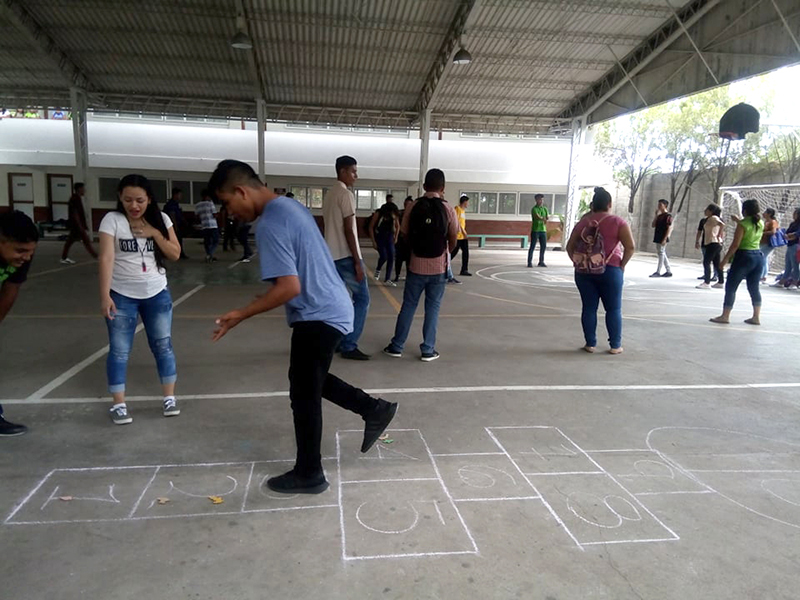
[341, 234]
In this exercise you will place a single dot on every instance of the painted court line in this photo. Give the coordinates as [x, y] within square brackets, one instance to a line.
[392, 300]
[498, 499]
[429, 390]
[60, 269]
[390, 480]
[411, 555]
[674, 493]
[70, 373]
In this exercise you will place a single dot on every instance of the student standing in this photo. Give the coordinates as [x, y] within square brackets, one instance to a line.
[771, 225]
[134, 241]
[296, 260]
[77, 225]
[206, 213]
[402, 250]
[229, 230]
[431, 227]
[175, 213]
[662, 223]
[339, 216]
[384, 228]
[462, 239]
[18, 239]
[713, 236]
[539, 216]
[700, 243]
[747, 263]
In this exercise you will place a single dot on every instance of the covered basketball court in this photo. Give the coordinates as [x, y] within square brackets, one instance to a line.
[517, 466]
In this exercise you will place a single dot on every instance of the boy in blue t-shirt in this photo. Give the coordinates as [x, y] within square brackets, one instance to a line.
[295, 258]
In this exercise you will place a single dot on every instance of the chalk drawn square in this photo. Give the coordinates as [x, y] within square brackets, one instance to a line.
[261, 499]
[96, 495]
[405, 458]
[398, 519]
[542, 450]
[647, 473]
[597, 510]
[483, 477]
[188, 488]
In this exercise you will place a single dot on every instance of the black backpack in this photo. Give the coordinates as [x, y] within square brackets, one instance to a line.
[385, 222]
[427, 229]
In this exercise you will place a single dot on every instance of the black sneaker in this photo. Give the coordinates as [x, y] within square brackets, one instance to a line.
[656, 275]
[291, 483]
[454, 280]
[389, 351]
[377, 422]
[10, 429]
[429, 356]
[355, 355]
[465, 274]
[702, 277]
[530, 266]
[667, 274]
[541, 264]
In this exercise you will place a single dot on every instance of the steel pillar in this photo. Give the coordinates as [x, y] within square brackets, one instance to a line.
[573, 196]
[425, 136]
[261, 109]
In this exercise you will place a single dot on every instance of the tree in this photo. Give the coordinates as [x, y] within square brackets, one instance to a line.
[677, 138]
[783, 155]
[629, 146]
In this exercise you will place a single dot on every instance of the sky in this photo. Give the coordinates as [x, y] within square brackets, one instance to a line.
[787, 82]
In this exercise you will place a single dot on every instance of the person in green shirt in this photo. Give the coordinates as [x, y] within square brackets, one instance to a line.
[747, 263]
[539, 215]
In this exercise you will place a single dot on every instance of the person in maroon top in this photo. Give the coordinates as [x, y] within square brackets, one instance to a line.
[77, 226]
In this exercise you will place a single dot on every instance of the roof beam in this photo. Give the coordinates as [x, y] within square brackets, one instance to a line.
[27, 25]
[556, 36]
[444, 59]
[520, 83]
[594, 7]
[252, 57]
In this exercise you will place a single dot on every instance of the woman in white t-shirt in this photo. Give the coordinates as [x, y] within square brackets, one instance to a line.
[134, 241]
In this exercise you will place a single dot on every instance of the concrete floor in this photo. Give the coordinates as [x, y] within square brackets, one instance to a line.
[520, 467]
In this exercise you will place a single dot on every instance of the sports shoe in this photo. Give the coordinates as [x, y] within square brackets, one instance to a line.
[245, 260]
[171, 407]
[120, 415]
[718, 286]
[377, 275]
[454, 280]
[656, 274]
[702, 277]
[355, 355]
[667, 274]
[11, 429]
[390, 283]
[377, 422]
[703, 286]
[541, 264]
[530, 266]
[389, 351]
[429, 356]
[465, 274]
[67, 261]
[292, 483]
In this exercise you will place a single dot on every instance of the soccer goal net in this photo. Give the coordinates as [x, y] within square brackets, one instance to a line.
[784, 198]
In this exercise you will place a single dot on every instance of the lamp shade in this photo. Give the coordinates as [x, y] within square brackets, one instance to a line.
[241, 41]
[462, 57]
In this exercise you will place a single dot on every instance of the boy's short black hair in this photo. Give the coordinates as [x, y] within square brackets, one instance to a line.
[230, 173]
[15, 225]
[77, 186]
[343, 162]
[434, 181]
[537, 196]
[176, 190]
[464, 198]
[664, 202]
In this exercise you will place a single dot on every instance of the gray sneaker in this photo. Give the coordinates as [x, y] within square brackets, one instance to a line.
[171, 407]
[120, 415]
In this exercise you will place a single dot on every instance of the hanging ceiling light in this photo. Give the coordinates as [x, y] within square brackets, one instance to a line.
[241, 41]
[462, 57]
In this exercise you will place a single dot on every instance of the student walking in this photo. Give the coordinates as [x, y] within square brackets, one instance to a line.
[243, 237]
[229, 230]
[700, 243]
[296, 260]
[747, 263]
[174, 211]
[206, 213]
[77, 225]
[600, 246]
[18, 239]
[539, 216]
[713, 237]
[431, 228]
[462, 239]
[341, 234]
[384, 228]
[135, 238]
[662, 223]
[771, 225]
[402, 250]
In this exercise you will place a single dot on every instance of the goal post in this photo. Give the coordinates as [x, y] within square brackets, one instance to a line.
[783, 197]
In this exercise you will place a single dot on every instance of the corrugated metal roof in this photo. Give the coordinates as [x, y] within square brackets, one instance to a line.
[336, 60]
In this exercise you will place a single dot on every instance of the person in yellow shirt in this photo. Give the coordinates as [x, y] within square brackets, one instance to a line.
[462, 240]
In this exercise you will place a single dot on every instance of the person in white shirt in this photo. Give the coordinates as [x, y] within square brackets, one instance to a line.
[206, 213]
[341, 234]
[134, 241]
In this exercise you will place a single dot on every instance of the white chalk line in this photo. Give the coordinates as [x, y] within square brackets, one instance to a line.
[498, 499]
[30, 495]
[390, 480]
[648, 541]
[432, 390]
[339, 486]
[410, 555]
[538, 493]
[567, 473]
[469, 454]
[71, 372]
[144, 491]
[247, 486]
[674, 493]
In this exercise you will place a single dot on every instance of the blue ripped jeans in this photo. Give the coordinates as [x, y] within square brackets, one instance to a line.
[156, 313]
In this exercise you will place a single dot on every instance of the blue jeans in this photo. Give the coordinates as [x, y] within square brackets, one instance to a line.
[433, 286]
[747, 264]
[210, 240]
[767, 251]
[156, 313]
[541, 237]
[791, 267]
[360, 293]
[608, 288]
[385, 243]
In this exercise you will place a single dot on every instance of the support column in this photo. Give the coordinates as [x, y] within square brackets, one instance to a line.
[261, 110]
[80, 141]
[425, 136]
[573, 197]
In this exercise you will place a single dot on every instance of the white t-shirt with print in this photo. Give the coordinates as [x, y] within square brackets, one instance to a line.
[129, 278]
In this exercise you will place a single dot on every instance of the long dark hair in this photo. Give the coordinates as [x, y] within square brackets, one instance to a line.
[601, 200]
[751, 209]
[152, 213]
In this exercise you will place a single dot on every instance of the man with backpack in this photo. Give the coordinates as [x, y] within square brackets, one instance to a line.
[384, 227]
[431, 227]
